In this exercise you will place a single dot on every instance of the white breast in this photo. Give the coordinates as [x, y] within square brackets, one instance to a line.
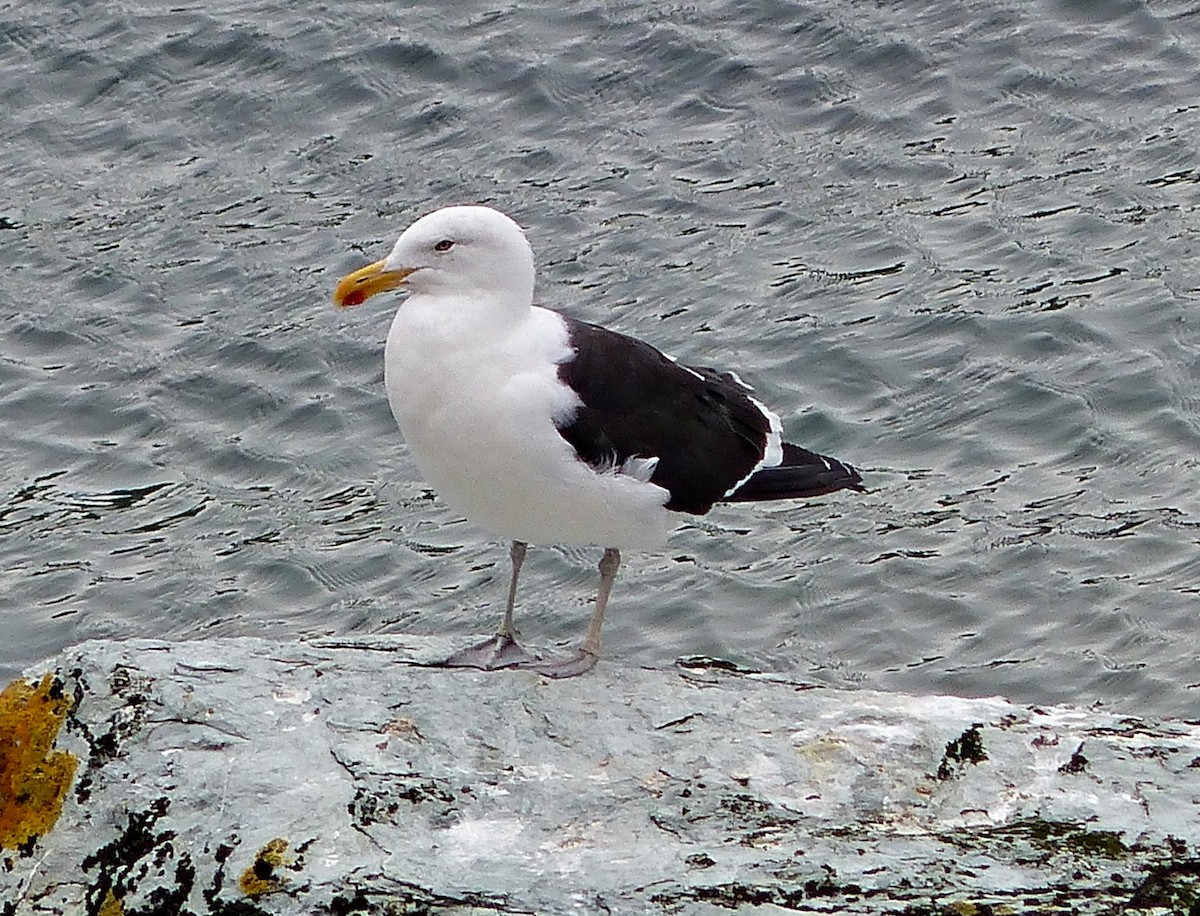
[476, 396]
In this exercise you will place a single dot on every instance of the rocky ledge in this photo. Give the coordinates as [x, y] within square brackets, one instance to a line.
[335, 777]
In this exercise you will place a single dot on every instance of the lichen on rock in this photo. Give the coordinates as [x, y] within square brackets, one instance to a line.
[34, 776]
[263, 877]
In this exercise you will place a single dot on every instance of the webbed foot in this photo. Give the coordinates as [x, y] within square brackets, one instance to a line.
[558, 668]
[501, 651]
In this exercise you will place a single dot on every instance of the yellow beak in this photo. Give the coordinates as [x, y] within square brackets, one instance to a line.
[358, 287]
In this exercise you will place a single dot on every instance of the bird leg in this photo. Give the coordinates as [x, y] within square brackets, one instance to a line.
[502, 650]
[609, 564]
[517, 553]
[589, 653]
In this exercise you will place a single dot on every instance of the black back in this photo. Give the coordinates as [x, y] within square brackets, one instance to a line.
[700, 424]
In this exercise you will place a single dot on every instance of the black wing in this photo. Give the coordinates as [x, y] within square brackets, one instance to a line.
[801, 473]
[701, 424]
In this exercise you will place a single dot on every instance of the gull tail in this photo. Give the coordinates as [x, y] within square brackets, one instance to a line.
[801, 473]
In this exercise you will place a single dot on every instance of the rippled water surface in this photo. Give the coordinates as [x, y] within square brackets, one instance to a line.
[954, 243]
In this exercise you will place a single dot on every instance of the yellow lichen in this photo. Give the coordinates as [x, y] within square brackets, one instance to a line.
[34, 778]
[263, 877]
[112, 905]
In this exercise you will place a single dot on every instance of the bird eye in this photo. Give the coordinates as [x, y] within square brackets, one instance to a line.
[444, 245]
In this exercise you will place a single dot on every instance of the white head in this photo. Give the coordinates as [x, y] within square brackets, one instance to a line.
[458, 251]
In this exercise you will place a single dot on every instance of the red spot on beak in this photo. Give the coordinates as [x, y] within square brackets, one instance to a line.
[354, 297]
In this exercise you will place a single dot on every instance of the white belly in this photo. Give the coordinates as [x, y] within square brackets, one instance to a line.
[477, 411]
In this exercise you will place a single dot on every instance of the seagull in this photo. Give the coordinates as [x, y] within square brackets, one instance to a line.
[542, 429]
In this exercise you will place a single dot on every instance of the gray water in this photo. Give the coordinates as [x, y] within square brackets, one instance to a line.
[954, 243]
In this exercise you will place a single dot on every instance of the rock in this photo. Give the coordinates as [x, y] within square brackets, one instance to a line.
[243, 776]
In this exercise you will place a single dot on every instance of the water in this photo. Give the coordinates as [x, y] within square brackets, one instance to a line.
[954, 243]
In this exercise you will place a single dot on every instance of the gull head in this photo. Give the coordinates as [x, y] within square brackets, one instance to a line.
[456, 251]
